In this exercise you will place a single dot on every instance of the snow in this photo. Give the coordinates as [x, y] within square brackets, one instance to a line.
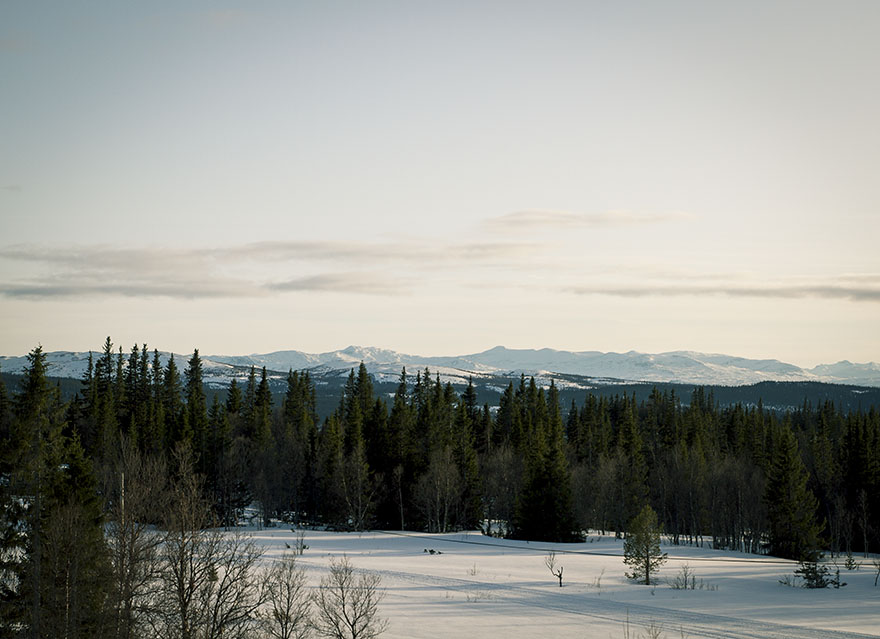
[475, 584]
[678, 366]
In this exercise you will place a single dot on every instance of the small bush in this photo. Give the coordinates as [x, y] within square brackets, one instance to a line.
[816, 575]
[684, 580]
[851, 563]
[792, 581]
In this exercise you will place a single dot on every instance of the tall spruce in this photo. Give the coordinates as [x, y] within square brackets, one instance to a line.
[196, 414]
[794, 531]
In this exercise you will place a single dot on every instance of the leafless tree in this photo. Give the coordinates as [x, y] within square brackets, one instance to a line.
[348, 603]
[287, 614]
[136, 490]
[210, 586]
[502, 473]
[73, 562]
[550, 562]
[438, 491]
[358, 488]
[864, 516]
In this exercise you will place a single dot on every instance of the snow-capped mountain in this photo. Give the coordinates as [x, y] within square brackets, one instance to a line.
[677, 366]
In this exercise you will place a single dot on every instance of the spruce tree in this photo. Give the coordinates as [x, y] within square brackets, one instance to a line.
[196, 410]
[794, 532]
[262, 416]
[641, 548]
[544, 507]
[173, 407]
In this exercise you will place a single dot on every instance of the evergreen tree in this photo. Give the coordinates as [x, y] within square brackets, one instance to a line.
[233, 398]
[465, 456]
[330, 471]
[196, 417]
[105, 410]
[88, 415]
[173, 407]
[248, 405]
[402, 455]
[119, 397]
[156, 442]
[633, 472]
[74, 563]
[794, 532]
[641, 548]
[544, 508]
[262, 416]
[60, 558]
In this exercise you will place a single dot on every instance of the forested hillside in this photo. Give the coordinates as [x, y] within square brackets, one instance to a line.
[431, 458]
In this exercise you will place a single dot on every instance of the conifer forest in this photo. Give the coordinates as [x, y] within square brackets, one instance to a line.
[140, 447]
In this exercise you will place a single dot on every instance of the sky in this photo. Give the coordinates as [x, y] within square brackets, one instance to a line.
[442, 177]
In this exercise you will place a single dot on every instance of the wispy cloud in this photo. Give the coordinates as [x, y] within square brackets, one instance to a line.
[48, 288]
[412, 252]
[320, 266]
[11, 188]
[360, 283]
[822, 290]
[537, 219]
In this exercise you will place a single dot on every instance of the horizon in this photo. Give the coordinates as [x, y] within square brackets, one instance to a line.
[208, 355]
[436, 179]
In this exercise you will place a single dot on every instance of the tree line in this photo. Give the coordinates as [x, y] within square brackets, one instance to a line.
[430, 458]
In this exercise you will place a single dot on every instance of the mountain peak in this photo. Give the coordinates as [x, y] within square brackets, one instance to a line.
[688, 367]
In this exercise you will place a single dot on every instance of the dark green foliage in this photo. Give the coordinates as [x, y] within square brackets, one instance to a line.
[814, 575]
[420, 454]
[195, 428]
[641, 548]
[544, 509]
[54, 584]
[793, 531]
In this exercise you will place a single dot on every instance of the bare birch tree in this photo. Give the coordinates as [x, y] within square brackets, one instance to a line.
[348, 603]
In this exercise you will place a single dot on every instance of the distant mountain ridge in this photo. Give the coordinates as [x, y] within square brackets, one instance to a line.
[675, 367]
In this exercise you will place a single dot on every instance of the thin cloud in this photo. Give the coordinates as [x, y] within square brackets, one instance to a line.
[412, 252]
[773, 291]
[11, 188]
[180, 290]
[216, 272]
[537, 219]
[344, 283]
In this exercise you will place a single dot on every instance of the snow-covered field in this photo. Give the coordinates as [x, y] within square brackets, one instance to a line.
[473, 585]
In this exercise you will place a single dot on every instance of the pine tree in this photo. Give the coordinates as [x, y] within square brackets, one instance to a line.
[172, 405]
[544, 507]
[330, 471]
[119, 397]
[262, 417]
[465, 456]
[233, 397]
[633, 473]
[105, 412]
[794, 532]
[60, 553]
[14, 449]
[248, 405]
[74, 565]
[641, 548]
[156, 442]
[196, 419]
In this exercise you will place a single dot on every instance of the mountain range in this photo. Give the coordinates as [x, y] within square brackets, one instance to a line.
[685, 367]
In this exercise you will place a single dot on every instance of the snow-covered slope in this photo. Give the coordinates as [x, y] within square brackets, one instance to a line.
[848, 373]
[676, 366]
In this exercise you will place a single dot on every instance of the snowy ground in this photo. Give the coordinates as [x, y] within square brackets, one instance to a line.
[476, 585]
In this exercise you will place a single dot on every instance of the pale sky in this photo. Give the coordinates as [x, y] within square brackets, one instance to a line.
[440, 178]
